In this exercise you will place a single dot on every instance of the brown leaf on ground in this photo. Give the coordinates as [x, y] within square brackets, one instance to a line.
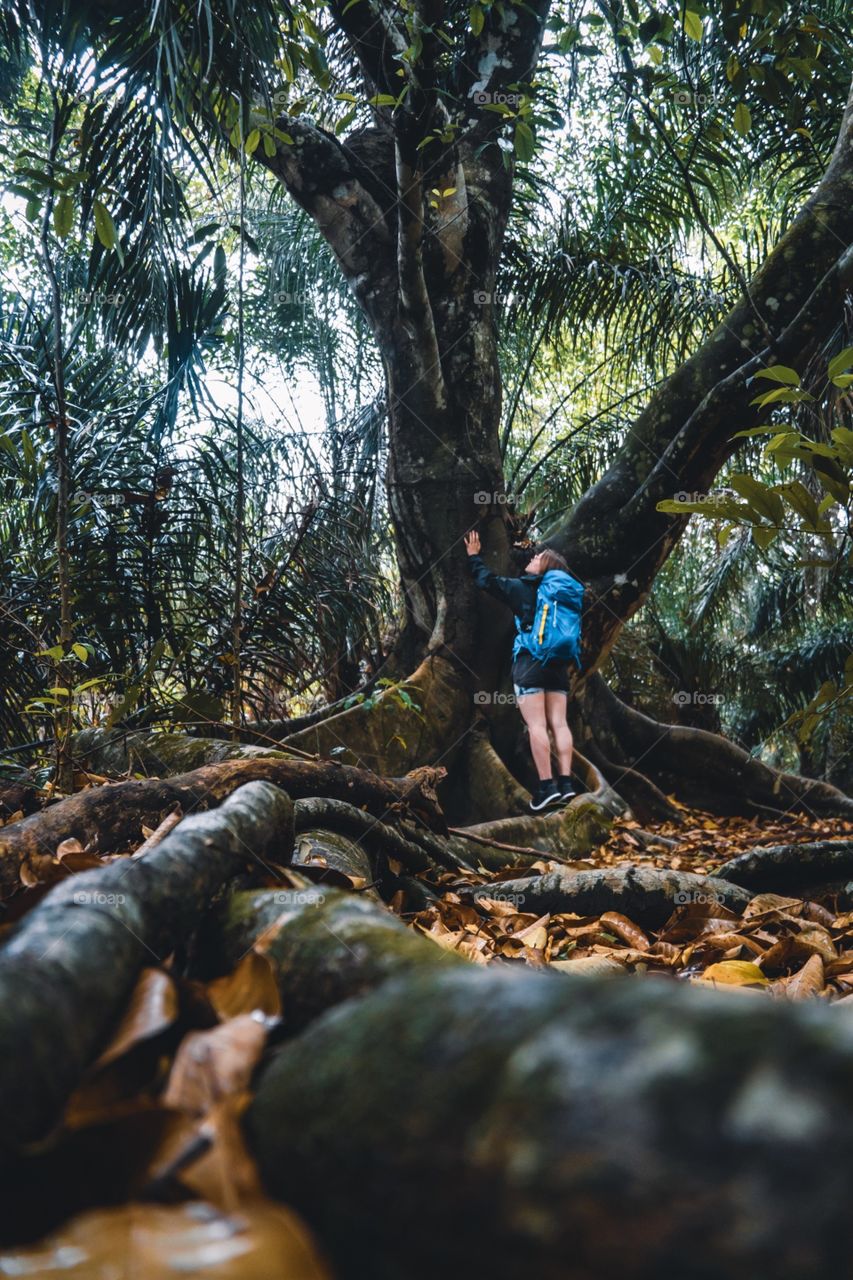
[159, 1242]
[224, 1172]
[153, 1006]
[808, 981]
[615, 922]
[211, 1064]
[248, 987]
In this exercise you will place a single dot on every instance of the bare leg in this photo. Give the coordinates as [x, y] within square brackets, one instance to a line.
[532, 708]
[555, 715]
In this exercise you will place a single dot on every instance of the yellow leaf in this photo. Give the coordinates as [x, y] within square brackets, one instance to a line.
[692, 25]
[735, 973]
[591, 966]
[743, 119]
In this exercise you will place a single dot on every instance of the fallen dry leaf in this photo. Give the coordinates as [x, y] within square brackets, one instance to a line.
[224, 1172]
[589, 966]
[153, 1007]
[735, 973]
[160, 1242]
[615, 922]
[211, 1064]
[250, 986]
[809, 981]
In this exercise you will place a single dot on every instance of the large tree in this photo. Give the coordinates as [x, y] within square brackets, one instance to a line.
[415, 205]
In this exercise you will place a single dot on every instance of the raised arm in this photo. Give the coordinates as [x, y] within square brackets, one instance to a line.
[508, 590]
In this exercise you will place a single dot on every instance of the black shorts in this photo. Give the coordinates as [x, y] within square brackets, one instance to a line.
[531, 676]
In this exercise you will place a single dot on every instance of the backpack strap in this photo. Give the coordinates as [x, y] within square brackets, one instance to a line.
[527, 619]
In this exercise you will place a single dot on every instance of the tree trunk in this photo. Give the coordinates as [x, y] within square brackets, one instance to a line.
[429, 300]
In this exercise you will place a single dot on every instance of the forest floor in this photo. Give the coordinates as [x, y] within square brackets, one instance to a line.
[152, 1136]
[790, 946]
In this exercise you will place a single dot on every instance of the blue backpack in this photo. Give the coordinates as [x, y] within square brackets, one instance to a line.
[556, 632]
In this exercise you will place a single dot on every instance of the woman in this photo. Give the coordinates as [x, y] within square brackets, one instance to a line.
[541, 688]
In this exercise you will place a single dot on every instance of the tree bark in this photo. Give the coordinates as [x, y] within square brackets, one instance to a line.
[644, 894]
[611, 1129]
[69, 966]
[110, 817]
[787, 867]
[324, 946]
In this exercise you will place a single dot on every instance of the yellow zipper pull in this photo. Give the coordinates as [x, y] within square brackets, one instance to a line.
[542, 624]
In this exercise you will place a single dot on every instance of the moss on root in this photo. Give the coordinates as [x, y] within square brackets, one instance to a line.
[325, 946]
[388, 735]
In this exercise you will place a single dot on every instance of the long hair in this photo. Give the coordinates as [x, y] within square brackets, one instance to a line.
[551, 559]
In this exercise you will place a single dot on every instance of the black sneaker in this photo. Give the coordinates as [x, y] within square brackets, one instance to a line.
[547, 793]
[567, 791]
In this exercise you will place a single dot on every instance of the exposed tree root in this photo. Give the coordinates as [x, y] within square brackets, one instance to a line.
[648, 803]
[267, 733]
[650, 1166]
[66, 972]
[790, 866]
[339, 856]
[703, 770]
[612, 1129]
[324, 946]
[110, 817]
[336, 815]
[570, 832]
[482, 788]
[16, 797]
[392, 737]
[117, 752]
[645, 894]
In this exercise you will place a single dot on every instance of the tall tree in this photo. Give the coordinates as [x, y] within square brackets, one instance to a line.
[415, 208]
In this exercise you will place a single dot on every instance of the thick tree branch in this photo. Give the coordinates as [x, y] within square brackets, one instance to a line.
[320, 176]
[808, 250]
